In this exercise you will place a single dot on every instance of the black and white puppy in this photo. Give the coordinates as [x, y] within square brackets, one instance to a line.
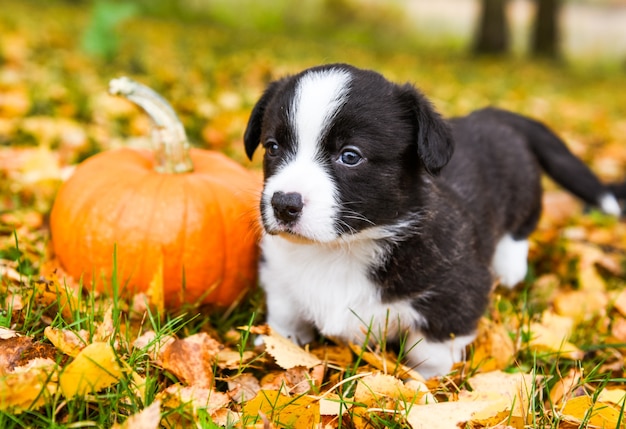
[382, 217]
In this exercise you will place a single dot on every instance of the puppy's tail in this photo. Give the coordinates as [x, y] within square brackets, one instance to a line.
[561, 164]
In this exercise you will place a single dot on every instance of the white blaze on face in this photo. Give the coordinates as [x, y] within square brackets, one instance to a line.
[319, 95]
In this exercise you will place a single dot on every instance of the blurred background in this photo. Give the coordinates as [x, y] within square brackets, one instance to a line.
[562, 61]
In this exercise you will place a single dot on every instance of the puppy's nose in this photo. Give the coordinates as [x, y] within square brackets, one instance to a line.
[287, 206]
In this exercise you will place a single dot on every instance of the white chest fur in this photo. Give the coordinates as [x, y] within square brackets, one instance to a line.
[328, 286]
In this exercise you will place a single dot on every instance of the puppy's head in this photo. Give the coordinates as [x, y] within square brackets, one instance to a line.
[344, 151]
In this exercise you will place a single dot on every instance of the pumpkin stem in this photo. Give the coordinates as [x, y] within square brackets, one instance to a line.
[172, 151]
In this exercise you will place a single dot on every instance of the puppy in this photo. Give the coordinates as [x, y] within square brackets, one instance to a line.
[384, 221]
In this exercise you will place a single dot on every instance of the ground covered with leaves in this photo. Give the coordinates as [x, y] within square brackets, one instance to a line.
[549, 353]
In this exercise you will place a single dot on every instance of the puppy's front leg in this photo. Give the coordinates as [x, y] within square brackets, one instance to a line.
[285, 318]
[432, 358]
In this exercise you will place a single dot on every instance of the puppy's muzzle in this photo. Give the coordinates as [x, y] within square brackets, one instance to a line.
[287, 206]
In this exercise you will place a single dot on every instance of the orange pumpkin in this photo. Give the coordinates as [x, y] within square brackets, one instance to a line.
[195, 217]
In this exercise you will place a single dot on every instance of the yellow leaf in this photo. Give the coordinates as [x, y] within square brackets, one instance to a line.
[588, 277]
[93, 369]
[497, 413]
[494, 387]
[545, 340]
[612, 396]
[581, 305]
[599, 415]
[444, 415]
[563, 388]
[286, 353]
[300, 412]
[27, 387]
[493, 348]
[377, 390]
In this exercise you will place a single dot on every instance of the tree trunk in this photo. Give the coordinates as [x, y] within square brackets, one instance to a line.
[493, 29]
[545, 41]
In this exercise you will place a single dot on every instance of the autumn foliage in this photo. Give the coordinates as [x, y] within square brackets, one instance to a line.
[549, 353]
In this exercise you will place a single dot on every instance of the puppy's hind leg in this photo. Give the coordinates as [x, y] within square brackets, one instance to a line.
[510, 260]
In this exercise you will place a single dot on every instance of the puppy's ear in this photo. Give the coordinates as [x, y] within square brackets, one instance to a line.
[434, 137]
[252, 136]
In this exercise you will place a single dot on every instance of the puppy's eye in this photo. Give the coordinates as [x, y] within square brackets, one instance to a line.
[350, 156]
[271, 147]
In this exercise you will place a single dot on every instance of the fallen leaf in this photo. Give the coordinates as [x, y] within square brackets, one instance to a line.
[613, 396]
[286, 353]
[582, 410]
[444, 415]
[386, 364]
[493, 348]
[544, 340]
[194, 397]
[18, 351]
[67, 341]
[297, 412]
[494, 387]
[563, 388]
[93, 369]
[153, 344]
[243, 387]
[294, 381]
[148, 418]
[581, 305]
[588, 277]
[6, 333]
[233, 359]
[29, 386]
[191, 359]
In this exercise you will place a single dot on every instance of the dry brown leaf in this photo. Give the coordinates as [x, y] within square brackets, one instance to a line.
[67, 341]
[232, 359]
[18, 351]
[286, 353]
[243, 387]
[148, 418]
[153, 345]
[191, 359]
[294, 381]
[195, 397]
[93, 369]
